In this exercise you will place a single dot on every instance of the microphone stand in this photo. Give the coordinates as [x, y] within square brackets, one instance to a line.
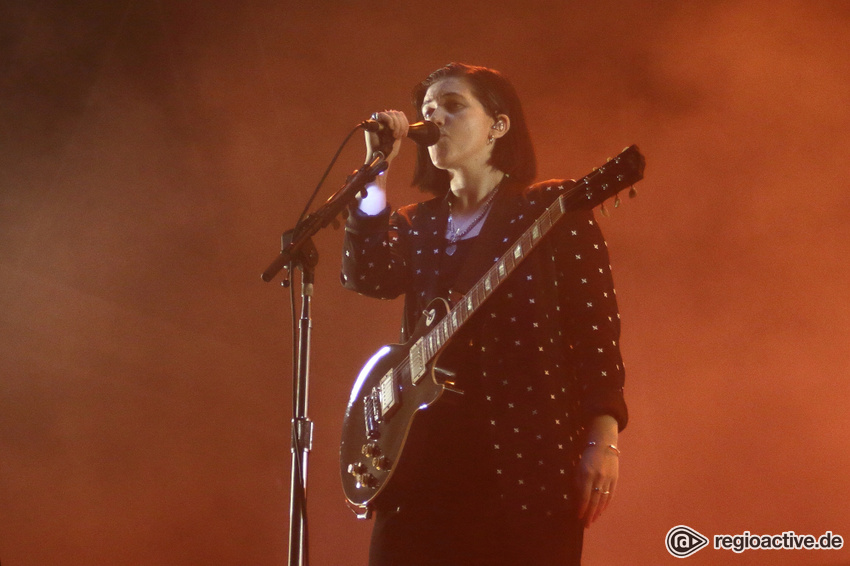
[298, 251]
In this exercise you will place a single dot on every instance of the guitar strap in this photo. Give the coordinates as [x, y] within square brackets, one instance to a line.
[489, 246]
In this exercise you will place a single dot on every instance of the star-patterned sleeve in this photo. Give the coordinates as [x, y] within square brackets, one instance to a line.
[592, 316]
[374, 260]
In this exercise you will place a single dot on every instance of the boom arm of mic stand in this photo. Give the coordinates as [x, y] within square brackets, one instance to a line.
[334, 206]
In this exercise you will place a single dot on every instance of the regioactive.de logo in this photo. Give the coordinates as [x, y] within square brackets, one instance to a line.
[682, 541]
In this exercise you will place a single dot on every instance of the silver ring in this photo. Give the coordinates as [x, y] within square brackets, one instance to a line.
[374, 116]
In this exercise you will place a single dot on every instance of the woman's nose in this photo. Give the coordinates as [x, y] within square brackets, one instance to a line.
[438, 117]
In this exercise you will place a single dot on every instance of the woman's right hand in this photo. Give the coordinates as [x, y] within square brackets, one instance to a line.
[398, 125]
[375, 199]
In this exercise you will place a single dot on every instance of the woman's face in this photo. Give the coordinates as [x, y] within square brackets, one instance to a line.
[464, 125]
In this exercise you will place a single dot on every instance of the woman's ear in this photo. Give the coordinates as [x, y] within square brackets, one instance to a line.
[501, 126]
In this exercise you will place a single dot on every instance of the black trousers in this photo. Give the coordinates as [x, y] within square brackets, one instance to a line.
[449, 533]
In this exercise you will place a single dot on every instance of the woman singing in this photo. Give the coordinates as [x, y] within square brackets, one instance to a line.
[511, 471]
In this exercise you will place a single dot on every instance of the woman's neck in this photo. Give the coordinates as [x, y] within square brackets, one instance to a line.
[469, 190]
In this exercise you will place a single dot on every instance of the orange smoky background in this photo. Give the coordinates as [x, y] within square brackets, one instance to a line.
[151, 153]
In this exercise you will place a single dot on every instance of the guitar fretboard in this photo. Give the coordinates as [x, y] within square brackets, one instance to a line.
[487, 285]
[604, 182]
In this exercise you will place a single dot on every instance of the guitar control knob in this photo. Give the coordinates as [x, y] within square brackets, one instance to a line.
[368, 480]
[356, 469]
[381, 463]
[371, 450]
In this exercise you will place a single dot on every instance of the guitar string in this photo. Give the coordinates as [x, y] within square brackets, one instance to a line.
[569, 197]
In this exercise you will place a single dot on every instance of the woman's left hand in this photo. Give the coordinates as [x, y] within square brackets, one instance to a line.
[598, 470]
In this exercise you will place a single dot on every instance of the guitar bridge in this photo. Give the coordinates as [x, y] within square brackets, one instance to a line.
[371, 414]
[380, 403]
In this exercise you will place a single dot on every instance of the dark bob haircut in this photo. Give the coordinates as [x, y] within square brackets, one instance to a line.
[513, 153]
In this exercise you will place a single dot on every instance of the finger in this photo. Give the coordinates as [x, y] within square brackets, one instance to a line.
[606, 497]
[603, 501]
[400, 125]
[394, 124]
[585, 492]
[387, 140]
[395, 120]
[403, 124]
[612, 487]
[592, 508]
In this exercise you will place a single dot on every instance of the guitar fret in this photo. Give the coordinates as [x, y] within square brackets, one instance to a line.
[504, 266]
[500, 271]
[458, 315]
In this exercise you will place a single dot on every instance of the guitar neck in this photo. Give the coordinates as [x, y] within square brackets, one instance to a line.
[602, 183]
[443, 332]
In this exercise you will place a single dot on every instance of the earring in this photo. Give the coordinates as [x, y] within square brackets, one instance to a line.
[490, 139]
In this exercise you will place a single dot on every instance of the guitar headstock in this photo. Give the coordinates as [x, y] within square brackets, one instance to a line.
[608, 180]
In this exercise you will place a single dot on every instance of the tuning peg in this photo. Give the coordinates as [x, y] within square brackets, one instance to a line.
[617, 201]
[632, 192]
[603, 210]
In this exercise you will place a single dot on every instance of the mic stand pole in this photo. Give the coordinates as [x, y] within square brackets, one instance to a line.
[298, 251]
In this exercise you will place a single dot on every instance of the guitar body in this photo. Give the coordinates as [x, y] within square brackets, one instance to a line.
[387, 394]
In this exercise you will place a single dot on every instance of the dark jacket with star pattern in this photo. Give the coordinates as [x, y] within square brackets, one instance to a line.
[539, 358]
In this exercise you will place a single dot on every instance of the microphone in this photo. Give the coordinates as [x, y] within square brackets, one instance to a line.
[424, 133]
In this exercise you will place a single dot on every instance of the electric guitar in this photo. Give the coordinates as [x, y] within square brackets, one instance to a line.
[402, 379]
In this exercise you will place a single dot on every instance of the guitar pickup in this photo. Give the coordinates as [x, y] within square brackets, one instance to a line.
[389, 395]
